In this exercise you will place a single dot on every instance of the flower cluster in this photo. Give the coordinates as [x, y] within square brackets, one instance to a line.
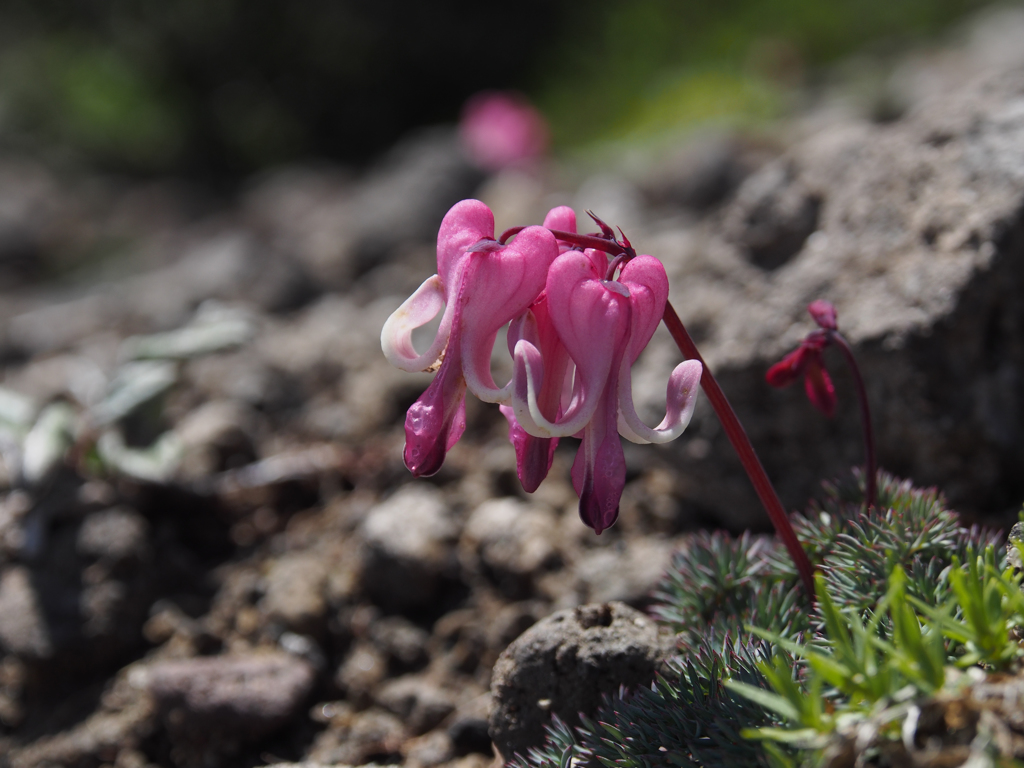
[577, 323]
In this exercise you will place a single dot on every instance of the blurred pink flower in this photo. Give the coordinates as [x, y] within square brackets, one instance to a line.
[499, 130]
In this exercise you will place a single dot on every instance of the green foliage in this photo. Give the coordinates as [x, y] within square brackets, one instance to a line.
[72, 91]
[666, 64]
[858, 549]
[987, 603]
[895, 609]
[868, 673]
[718, 584]
[856, 663]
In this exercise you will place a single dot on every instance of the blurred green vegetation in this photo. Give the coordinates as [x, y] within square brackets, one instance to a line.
[220, 88]
[225, 87]
[635, 68]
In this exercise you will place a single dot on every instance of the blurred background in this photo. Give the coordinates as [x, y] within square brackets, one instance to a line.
[220, 89]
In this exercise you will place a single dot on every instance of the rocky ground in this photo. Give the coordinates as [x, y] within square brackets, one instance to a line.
[210, 551]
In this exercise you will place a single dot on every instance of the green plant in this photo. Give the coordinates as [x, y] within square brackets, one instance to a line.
[906, 598]
[852, 672]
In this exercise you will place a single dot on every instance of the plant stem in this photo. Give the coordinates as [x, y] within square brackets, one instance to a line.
[741, 444]
[871, 462]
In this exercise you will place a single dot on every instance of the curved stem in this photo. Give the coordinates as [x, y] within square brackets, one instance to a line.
[870, 460]
[584, 241]
[741, 444]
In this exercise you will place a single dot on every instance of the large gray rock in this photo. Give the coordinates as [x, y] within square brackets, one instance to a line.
[915, 231]
[564, 663]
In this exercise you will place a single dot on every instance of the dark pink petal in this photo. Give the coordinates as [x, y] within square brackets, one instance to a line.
[599, 471]
[824, 314]
[787, 370]
[818, 385]
[534, 455]
[599, 259]
[435, 422]
[536, 327]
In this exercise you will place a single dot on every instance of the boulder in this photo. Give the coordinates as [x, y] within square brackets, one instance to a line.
[564, 663]
[915, 231]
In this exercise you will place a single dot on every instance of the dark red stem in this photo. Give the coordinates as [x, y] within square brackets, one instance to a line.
[865, 417]
[741, 444]
[584, 241]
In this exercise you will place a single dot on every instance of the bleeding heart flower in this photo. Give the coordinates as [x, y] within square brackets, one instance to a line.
[808, 360]
[482, 285]
[604, 325]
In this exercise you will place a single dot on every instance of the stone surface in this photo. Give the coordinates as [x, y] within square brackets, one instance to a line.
[294, 593]
[113, 535]
[23, 626]
[409, 556]
[628, 574]
[511, 543]
[417, 700]
[918, 240]
[371, 735]
[564, 663]
[240, 696]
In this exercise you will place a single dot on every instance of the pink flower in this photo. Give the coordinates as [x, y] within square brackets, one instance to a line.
[603, 325]
[482, 285]
[502, 129]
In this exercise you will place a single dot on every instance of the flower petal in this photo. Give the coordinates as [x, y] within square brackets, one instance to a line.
[466, 223]
[599, 259]
[562, 218]
[527, 386]
[499, 286]
[681, 397]
[599, 471]
[788, 369]
[534, 455]
[824, 314]
[818, 386]
[436, 421]
[648, 291]
[419, 309]
[591, 317]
